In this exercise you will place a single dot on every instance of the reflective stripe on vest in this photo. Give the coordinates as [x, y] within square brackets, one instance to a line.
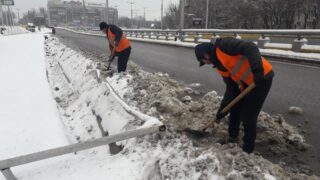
[245, 75]
[123, 44]
[238, 67]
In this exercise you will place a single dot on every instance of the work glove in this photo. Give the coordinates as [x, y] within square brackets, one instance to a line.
[115, 44]
[220, 115]
[258, 78]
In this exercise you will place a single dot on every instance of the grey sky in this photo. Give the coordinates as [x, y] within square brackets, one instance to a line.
[152, 6]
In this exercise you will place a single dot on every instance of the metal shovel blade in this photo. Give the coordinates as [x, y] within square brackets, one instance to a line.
[196, 133]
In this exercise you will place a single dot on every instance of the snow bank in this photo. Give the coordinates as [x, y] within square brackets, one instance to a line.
[30, 121]
[117, 103]
[13, 30]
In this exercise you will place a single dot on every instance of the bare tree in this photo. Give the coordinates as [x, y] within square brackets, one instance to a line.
[171, 17]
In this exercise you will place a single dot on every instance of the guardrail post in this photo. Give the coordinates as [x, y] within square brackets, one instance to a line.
[150, 33]
[167, 36]
[158, 35]
[298, 43]
[197, 37]
[214, 38]
[262, 41]
[7, 173]
[137, 34]
[237, 36]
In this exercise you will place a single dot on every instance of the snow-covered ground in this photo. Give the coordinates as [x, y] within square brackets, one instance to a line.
[13, 30]
[29, 119]
[122, 102]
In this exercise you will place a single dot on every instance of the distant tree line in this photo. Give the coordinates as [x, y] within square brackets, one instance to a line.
[248, 14]
[37, 17]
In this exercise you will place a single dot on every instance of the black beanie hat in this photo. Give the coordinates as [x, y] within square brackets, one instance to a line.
[201, 50]
[103, 25]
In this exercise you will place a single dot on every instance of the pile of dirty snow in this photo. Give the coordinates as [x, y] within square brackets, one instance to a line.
[90, 109]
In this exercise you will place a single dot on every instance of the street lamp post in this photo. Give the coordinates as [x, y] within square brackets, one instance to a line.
[1, 14]
[144, 16]
[18, 15]
[161, 14]
[182, 5]
[131, 3]
[207, 14]
[107, 11]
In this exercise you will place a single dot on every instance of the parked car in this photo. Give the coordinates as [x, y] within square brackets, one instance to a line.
[31, 27]
[2, 29]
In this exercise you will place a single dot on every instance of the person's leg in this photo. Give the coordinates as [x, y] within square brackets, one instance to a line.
[123, 58]
[252, 105]
[234, 120]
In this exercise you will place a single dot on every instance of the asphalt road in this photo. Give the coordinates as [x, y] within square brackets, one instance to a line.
[293, 85]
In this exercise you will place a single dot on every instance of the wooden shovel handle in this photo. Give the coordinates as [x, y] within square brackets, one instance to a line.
[233, 102]
[238, 98]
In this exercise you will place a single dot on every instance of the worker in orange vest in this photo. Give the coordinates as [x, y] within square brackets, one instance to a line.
[240, 64]
[118, 43]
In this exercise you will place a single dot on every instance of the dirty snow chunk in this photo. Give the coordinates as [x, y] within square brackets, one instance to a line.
[195, 85]
[297, 138]
[189, 91]
[129, 109]
[119, 82]
[295, 110]
[186, 99]
[269, 177]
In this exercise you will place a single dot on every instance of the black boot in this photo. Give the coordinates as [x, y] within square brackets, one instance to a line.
[227, 140]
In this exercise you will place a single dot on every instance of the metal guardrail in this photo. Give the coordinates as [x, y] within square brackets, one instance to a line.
[6, 164]
[197, 35]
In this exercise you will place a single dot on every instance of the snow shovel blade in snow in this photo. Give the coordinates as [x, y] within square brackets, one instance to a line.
[203, 133]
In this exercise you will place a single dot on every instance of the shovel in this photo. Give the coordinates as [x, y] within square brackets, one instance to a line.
[203, 133]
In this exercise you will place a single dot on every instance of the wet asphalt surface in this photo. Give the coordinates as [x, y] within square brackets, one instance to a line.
[293, 85]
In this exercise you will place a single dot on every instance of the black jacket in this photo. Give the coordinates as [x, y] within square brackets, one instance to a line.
[232, 46]
[117, 31]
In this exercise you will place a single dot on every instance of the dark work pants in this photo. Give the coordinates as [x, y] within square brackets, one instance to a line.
[247, 111]
[123, 58]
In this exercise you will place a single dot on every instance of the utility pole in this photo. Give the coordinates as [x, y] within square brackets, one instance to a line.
[215, 14]
[9, 16]
[144, 16]
[131, 3]
[207, 14]
[18, 15]
[85, 14]
[28, 17]
[1, 14]
[66, 11]
[116, 15]
[161, 14]
[107, 11]
[49, 15]
[182, 5]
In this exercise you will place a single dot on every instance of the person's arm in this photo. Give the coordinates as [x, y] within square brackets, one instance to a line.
[232, 91]
[117, 31]
[248, 49]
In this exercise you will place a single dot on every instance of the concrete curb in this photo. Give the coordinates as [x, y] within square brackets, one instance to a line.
[283, 57]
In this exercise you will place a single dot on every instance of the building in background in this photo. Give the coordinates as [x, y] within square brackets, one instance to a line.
[75, 13]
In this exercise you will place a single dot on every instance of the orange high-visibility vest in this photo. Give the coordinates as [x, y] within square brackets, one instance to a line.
[238, 68]
[122, 45]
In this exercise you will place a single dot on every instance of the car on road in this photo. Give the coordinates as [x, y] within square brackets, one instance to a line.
[31, 27]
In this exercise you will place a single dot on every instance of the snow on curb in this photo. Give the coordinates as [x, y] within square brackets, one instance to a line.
[288, 54]
[14, 30]
[84, 101]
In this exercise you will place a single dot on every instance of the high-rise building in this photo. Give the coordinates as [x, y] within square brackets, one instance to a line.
[75, 13]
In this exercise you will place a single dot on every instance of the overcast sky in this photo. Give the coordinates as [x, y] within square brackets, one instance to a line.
[153, 7]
